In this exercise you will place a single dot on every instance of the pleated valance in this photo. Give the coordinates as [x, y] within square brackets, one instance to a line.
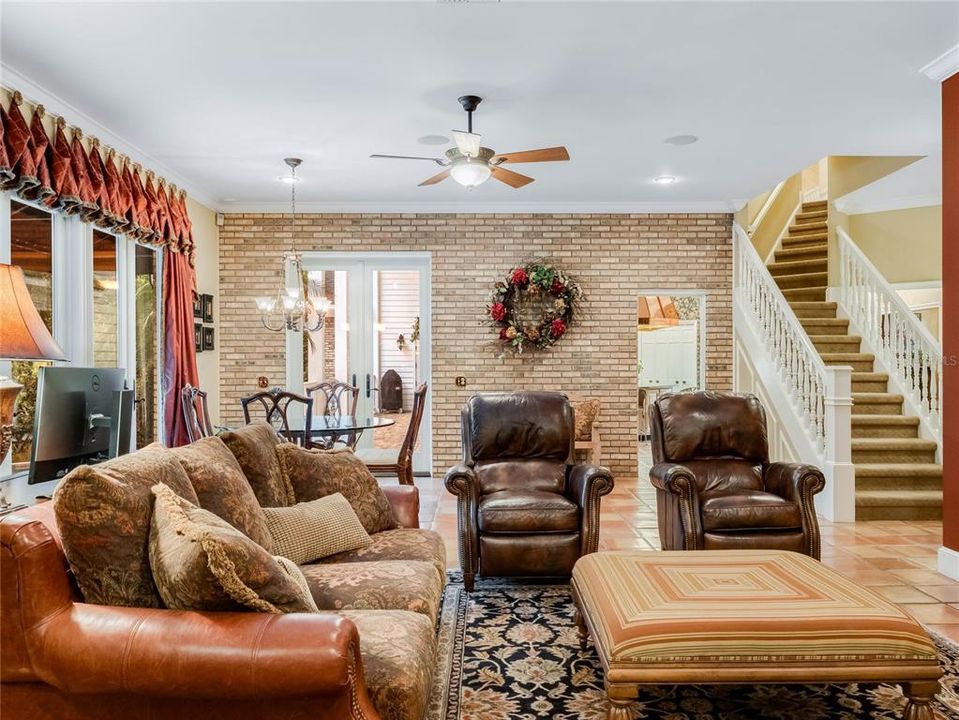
[45, 160]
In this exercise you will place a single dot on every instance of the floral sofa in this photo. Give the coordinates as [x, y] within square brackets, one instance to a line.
[368, 654]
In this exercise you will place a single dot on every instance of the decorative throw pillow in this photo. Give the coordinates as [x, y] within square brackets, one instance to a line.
[103, 514]
[252, 445]
[222, 489]
[317, 473]
[317, 529]
[201, 562]
[584, 415]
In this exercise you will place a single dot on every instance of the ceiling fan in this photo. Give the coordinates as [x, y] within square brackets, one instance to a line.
[470, 164]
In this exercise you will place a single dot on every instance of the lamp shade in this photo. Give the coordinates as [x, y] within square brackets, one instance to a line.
[23, 336]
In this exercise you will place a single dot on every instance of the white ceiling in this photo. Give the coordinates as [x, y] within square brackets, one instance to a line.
[216, 94]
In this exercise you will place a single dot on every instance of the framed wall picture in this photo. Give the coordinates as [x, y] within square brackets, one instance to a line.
[198, 306]
[207, 308]
[198, 336]
[208, 334]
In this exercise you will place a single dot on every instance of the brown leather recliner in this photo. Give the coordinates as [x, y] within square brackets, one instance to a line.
[523, 508]
[716, 489]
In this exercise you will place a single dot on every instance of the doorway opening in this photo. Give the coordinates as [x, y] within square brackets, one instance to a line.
[670, 346]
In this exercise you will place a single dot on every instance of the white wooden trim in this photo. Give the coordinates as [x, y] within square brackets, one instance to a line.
[948, 562]
[765, 208]
[943, 67]
[476, 205]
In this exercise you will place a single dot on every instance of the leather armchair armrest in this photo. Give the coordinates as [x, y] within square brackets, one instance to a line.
[462, 482]
[586, 482]
[794, 481]
[405, 501]
[799, 483]
[180, 654]
[674, 478]
[585, 485]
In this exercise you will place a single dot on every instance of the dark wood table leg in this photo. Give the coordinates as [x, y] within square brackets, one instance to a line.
[919, 697]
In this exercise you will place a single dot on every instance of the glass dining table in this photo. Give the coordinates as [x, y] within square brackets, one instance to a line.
[326, 428]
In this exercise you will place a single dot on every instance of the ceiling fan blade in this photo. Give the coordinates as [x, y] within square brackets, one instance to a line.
[467, 142]
[544, 155]
[438, 161]
[439, 177]
[513, 179]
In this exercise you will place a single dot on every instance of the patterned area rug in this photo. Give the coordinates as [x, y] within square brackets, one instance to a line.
[512, 652]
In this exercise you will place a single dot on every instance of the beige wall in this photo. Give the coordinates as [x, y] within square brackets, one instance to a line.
[615, 257]
[207, 281]
[904, 245]
[847, 173]
[780, 210]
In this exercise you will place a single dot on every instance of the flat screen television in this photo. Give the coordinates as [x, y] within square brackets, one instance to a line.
[82, 416]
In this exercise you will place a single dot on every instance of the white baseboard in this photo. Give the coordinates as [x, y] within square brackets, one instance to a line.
[949, 562]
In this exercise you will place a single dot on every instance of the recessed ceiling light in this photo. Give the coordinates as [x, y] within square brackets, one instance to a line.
[288, 179]
[664, 180]
[433, 140]
[681, 140]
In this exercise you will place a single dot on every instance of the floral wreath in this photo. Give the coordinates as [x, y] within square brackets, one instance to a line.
[536, 281]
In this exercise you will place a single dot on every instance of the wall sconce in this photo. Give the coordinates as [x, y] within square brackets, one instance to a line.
[401, 342]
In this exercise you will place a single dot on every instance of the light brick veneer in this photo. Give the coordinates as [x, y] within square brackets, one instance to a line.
[615, 257]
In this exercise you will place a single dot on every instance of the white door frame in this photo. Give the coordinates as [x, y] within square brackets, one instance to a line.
[361, 312]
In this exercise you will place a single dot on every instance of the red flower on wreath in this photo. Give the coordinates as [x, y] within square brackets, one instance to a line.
[519, 277]
[557, 288]
[502, 334]
[497, 311]
[557, 327]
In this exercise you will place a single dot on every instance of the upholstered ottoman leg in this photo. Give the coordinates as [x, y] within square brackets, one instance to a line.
[919, 697]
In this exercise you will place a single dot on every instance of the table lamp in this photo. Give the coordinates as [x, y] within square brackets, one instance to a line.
[23, 336]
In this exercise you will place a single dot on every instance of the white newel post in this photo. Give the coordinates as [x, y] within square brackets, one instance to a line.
[838, 501]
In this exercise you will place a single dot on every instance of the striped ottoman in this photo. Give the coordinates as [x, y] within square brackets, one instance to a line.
[744, 616]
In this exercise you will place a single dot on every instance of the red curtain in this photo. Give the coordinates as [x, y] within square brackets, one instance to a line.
[179, 362]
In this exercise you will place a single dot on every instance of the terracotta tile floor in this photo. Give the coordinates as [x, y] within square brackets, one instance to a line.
[896, 559]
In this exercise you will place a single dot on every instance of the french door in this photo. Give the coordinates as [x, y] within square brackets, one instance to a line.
[376, 337]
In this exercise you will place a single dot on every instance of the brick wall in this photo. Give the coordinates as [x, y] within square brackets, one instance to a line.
[615, 257]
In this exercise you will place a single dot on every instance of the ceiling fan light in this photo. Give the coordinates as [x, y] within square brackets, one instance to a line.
[469, 172]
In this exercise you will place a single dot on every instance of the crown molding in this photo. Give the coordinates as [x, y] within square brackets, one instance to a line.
[903, 202]
[468, 208]
[54, 104]
[943, 66]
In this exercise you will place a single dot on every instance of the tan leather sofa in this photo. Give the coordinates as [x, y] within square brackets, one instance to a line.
[369, 655]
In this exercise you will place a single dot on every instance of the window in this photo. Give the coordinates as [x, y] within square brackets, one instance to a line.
[104, 300]
[147, 380]
[31, 247]
[99, 295]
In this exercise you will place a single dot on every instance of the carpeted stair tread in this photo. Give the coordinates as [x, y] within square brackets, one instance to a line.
[811, 216]
[813, 309]
[806, 293]
[863, 382]
[814, 205]
[804, 241]
[806, 252]
[883, 403]
[859, 361]
[864, 470]
[801, 280]
[811, 227]
[893, 451]
[835, 343]
[884, 426]
[797, 267]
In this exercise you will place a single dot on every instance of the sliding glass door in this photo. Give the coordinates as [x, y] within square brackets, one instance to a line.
[376, 337]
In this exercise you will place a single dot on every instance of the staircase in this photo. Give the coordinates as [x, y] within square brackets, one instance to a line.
[897, 477]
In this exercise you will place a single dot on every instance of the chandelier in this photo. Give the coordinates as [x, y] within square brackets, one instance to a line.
[293, 307]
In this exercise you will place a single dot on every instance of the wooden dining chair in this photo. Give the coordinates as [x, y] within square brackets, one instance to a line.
[403, 467]
[275, 405]
[196, 413]
[336, 399]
